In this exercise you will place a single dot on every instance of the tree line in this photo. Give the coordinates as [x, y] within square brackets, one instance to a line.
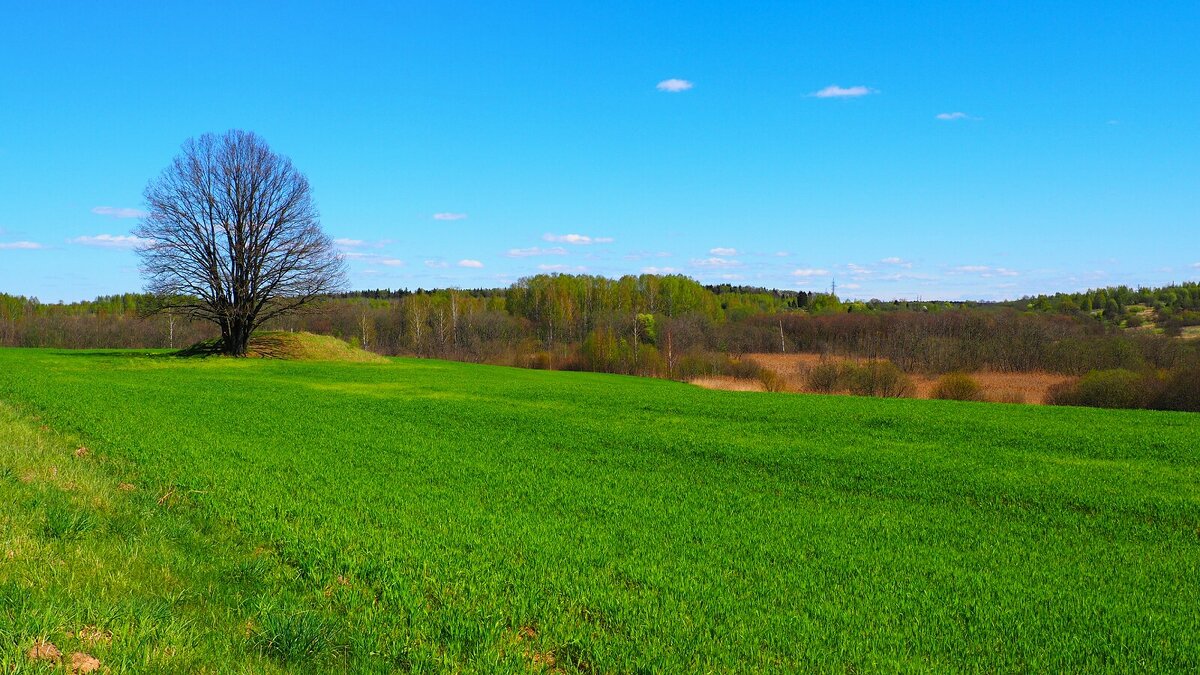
[666, 326]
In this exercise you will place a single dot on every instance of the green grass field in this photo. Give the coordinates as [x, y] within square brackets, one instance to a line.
[428, 516]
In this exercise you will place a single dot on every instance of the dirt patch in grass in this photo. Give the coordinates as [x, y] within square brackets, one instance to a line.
[44, 651]
[84, 663]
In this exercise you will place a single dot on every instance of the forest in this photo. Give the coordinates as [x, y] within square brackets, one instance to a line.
[675, 327]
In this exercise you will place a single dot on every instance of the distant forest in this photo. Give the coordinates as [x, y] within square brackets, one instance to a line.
[672, 326]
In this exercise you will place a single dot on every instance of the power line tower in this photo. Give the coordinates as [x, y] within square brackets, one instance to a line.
[833, 287]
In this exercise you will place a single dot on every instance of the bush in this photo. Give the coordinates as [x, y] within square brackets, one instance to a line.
[877, 378]
[771, 381]
[958, 387]
[825, 378]
[880, 378]
[1180, 390]
[1116, 388]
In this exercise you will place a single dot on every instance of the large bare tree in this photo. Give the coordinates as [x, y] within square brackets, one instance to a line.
[233, 237]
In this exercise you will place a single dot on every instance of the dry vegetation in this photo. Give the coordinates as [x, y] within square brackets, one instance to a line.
[793, 369]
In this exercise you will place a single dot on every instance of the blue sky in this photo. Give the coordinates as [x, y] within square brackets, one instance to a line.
[946, 150]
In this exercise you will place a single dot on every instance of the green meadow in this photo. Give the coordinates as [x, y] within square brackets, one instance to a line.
[416, 515]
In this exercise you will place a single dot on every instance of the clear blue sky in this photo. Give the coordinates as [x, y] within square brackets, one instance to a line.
[1067, 154]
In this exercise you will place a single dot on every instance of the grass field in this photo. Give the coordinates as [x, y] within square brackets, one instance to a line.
[416, 515]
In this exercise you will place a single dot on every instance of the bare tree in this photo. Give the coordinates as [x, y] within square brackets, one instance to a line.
[233, 237]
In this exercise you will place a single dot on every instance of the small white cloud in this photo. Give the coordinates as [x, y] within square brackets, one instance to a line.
[562, 268]
[853, 287]
[391, 262]
[348, 243]
[576, 239]
[834, 91]
[1196, 265]
[436, 264]
[810, 272]
[659, 270]
[986, 271]
[534, 251]
[470, 263]
[782, 254]
[723, 252]
[19, 245]
[449, 216]
[951, 116]
[111, 241]
[716, 262]
[117, 212]
[674, 85]
[858, 270]
[898, 262]
[732, 277]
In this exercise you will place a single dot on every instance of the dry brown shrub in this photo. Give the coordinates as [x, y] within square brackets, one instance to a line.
[958, 387]
[771, 380]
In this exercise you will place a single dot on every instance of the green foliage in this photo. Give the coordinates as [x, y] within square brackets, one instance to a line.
[426, 516]
[957, 387]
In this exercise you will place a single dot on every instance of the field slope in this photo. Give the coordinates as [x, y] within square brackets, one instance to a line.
[423, 515]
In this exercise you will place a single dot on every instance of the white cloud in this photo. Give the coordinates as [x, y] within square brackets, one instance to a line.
[858, 270]
[391, 262]
[715, 262]
[118, 212]
[732, 277]
[348, 243]
[534, 251]
[853, 287]
[20, 245]
[1196, 265]
[782, 254]
[898, 262]
[952, 116]
[576, 239]
[674, 85]
[810, 272]
[449, 216]
[659, 270]
[470, 263]
[436, 264]
[986, 271]
[111, 241]
[723, 252]
[834, 91]
[562, 268]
